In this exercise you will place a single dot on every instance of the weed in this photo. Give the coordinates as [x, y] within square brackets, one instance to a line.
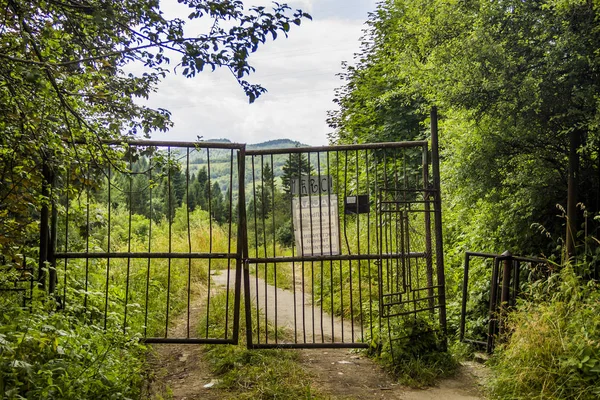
[255, 374]
[46, 355]
[553, 351]
[414, 354]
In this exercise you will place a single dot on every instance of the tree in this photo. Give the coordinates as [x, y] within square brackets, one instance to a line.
[62, 81]
[296, 165]
[516, 83]
[202, 189]
[217, 205]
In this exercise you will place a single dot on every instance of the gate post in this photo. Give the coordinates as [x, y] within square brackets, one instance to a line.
[505, 294]
[48, 231]
[439, 253]
[44, 225]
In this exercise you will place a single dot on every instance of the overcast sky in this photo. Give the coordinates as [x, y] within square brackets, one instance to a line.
[298, 72]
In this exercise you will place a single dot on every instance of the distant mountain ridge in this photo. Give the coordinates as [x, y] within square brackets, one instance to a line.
[269, 144]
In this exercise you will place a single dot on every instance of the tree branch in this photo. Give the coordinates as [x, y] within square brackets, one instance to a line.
[111, 54]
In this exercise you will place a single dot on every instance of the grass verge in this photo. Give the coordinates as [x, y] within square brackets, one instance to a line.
[554, 350]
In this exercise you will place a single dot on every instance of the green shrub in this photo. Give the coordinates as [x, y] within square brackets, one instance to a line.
[415, 354]
[554, 348]
[47, 355]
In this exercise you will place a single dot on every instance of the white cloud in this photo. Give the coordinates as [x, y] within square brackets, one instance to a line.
[299, 73]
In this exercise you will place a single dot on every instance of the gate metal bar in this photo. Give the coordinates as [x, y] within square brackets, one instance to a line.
[178, 270]
[505, 287]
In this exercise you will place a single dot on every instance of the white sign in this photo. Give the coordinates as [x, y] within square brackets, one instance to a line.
[316, 227]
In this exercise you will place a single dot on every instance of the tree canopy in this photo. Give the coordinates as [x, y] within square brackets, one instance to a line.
[63, 79]
[517, 84]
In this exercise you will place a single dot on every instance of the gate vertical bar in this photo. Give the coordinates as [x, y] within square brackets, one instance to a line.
[52, 277]
[243, 241]
[504, 299]
[439, 252]
[463, 307]
[242, 251]
[492, 324]
[427, 207]
[44, 226]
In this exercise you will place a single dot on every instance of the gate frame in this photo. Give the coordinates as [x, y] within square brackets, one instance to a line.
[435, 189]
[48, 239]
[504, 291]
[50, 255]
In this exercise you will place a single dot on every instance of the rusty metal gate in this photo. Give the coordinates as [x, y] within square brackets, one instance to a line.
[334, 246]
[146, 242]
[341, 245]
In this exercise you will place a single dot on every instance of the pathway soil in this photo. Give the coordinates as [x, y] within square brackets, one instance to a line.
[179, 370]
[181, 373]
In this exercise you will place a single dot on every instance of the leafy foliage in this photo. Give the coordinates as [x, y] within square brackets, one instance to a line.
[553, 351]
[64, 88]
[47, 355]
[513, 79]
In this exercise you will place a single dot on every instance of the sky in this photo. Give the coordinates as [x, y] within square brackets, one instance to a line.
[299, 73]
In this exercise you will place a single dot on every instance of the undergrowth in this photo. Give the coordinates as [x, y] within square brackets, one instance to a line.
[60, 355]
[554, 348]
[416, 355]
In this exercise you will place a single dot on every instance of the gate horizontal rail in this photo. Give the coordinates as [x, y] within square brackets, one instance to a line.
[148, 255]
[346, 257]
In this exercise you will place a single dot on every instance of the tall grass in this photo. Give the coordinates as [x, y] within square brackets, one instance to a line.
[140, 291]
[553, 351]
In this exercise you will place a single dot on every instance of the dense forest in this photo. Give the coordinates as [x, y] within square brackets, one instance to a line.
[516, 84]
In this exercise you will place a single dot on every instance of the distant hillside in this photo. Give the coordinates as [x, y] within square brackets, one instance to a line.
[269, 144]
[276, 144]
[221, 162]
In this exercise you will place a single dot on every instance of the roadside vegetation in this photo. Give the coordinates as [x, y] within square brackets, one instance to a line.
[553, 349]
[45, 354]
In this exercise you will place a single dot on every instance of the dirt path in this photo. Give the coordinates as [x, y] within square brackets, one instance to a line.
[182, 374]
[294, 311]
[179, 371]
[344, 374]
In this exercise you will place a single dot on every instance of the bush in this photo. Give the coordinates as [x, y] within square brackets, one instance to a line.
[415, 354]
[554, 349]
[47, 355]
